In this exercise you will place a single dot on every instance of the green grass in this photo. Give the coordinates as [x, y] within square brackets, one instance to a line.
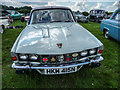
[105, 76]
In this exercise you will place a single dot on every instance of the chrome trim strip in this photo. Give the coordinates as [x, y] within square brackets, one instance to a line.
[39, 62]
[111, 25]
[28, 67]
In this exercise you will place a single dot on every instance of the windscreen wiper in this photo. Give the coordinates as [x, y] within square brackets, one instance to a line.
[68, 21]
[56, 21]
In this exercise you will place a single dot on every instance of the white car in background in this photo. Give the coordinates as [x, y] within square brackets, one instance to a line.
[3, 23]
[27, 17]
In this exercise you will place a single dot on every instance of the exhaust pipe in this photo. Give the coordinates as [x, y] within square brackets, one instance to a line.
[22, 71]
[95, 64]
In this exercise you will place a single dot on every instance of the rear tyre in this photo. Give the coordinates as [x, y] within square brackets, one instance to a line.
[106, 34]
[19, 71]
[2, 27]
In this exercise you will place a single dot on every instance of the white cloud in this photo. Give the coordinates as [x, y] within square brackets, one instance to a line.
[81, 6]
[51, 3]
[113, 7]
[12, 3]
[99, 6]
[116, 3]
[75, 5]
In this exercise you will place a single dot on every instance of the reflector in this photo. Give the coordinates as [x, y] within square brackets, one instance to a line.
[67, 59]
[14, 58]
[100, 51]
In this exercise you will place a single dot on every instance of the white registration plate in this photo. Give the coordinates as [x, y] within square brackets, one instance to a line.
[61, 70]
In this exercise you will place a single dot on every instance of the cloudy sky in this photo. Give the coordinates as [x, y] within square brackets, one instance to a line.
[81, 5]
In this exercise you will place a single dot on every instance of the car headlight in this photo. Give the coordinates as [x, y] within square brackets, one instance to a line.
[84, 53]
[23, 57]
[74, 54]
[92, 51]
[33, 57]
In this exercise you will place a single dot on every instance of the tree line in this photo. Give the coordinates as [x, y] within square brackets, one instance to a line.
[27, 9]
[24, 9]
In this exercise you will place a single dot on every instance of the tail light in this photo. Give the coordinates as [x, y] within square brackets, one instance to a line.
[14, 58]
[100, 49]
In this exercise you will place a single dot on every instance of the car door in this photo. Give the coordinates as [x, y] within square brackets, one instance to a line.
[116, 26]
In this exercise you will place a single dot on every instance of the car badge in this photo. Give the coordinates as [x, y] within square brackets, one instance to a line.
[60, 58]
[53, 59]
[59, 45]
[68, 55]
[68, 59]
[75, 54]
[45, 59]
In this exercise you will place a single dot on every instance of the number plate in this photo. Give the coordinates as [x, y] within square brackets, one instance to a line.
[61, 71]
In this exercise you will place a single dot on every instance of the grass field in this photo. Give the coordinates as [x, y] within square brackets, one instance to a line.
[105, 76]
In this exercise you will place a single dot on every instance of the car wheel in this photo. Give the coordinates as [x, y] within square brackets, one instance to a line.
[2, 27]
[106, 34]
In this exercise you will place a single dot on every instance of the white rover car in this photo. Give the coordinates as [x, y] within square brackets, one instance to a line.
[54, 43]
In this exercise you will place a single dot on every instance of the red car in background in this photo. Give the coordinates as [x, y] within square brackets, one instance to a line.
[27, 17]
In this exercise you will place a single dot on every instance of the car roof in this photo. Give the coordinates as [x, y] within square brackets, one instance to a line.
[51, 7]
[10, 11]
[97, 10]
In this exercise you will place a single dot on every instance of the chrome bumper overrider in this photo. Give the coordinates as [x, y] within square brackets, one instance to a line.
[57, 67]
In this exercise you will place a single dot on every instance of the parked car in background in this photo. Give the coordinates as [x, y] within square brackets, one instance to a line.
[3, 23]
[3, 13]
[3, 20]
[97, 15]
[27, 17]
[80, 17]
[111, 27]
[53, 43]
[108, 16]
[14, 14]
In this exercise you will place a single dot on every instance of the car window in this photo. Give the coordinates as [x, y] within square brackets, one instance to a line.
[99, 11]
[16, 12]
[13, 12]
[56, 15]
[117, 16]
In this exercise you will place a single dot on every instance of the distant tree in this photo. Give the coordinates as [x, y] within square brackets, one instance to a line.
[25, 11]
[4, 7]
[108, 13]
[16, 8]
[26, 7]
[85, 13]
[11, 8]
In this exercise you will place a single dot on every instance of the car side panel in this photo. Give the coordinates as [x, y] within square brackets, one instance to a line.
[4, 22]
[106, 24]
[113, 26]
[16, 16]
